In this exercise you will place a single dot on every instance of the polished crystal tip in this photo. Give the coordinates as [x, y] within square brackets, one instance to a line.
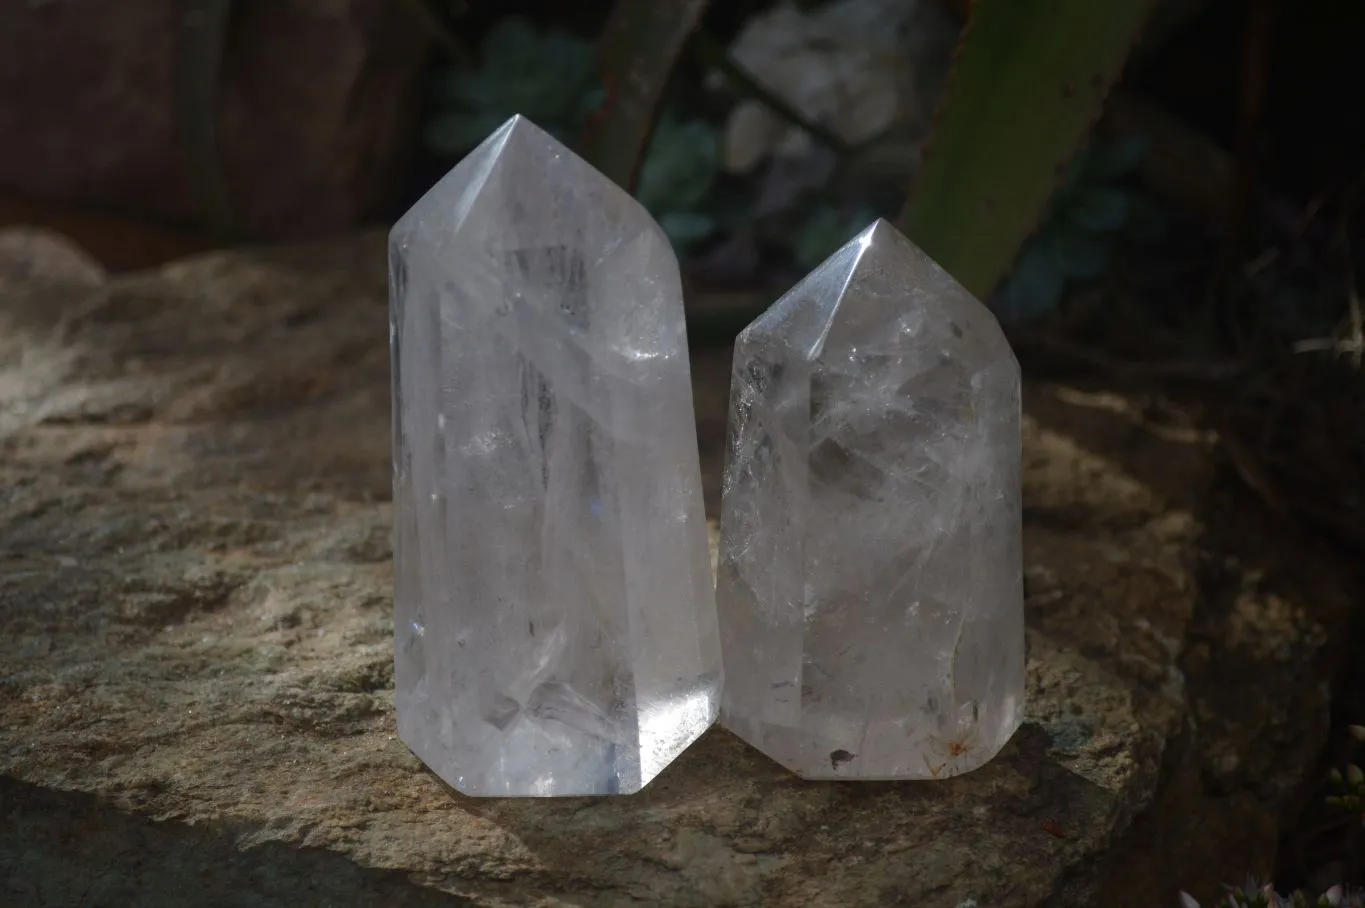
[554, 611]
[870, 579]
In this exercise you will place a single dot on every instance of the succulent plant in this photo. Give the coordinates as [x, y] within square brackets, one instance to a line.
[546, 75]
[1093, 210]
[1348, 789]
[1255, 895]
[549, 76]
[678, 171]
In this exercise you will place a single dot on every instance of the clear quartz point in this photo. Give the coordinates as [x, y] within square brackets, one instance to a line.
[555, 615]
[870, 580]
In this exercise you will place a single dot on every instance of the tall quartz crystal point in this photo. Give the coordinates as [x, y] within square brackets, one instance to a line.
[870, 581]
[555, 616]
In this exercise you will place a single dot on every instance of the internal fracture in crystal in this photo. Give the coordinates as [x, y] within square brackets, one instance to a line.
[555, 616]
[870, 580]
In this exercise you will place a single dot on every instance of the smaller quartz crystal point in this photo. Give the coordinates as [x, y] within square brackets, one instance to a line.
[870, 580]
[554, 609]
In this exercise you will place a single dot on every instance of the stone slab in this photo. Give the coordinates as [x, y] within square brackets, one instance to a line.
[196, 669]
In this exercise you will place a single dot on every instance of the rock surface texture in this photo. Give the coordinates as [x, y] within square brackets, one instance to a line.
[555, 614]
[870, 581]
[196, 689]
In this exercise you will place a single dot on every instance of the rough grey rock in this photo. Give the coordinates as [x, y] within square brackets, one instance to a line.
[196, 669]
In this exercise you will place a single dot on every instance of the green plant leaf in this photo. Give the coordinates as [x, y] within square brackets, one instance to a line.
[636, 54]
[1099, 208]
[676, 177]
[1075, 176]
[547, 76]
[542, 75]
[685, 228]
[681, 165]
[1035, 285]
[1030, 79]
[1079, 254]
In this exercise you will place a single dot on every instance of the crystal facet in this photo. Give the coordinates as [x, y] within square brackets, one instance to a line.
[870, 581]
[555, 616]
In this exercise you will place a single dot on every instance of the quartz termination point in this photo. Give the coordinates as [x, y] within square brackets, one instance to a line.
[870, 581]
[555, 616]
